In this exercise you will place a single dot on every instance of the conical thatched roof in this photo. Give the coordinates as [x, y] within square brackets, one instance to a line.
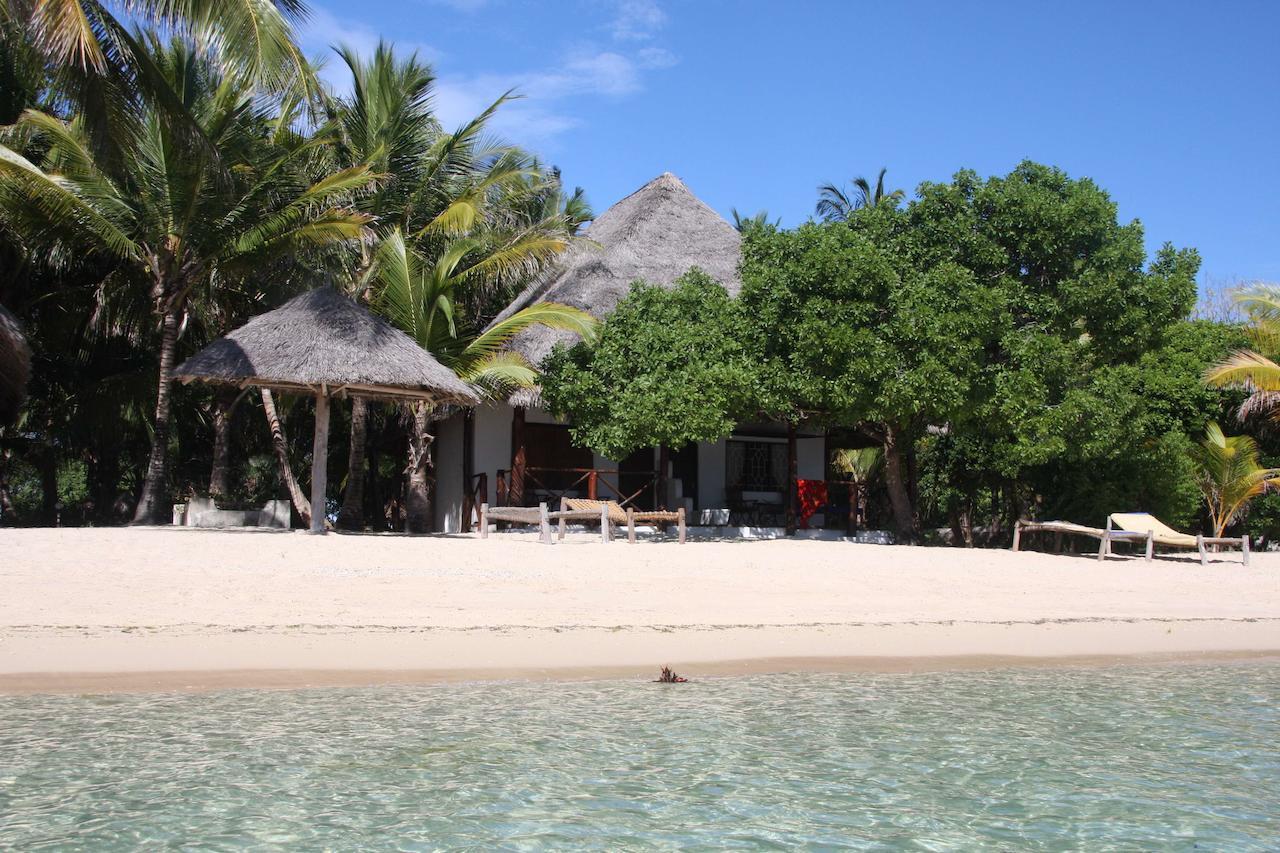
[655, 234]
[15, 366]
[322, 338]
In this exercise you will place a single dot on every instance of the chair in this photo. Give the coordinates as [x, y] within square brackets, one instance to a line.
[1159, 533]
[611, 512]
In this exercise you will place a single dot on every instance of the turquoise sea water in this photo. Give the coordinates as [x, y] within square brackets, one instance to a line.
[1176, 757]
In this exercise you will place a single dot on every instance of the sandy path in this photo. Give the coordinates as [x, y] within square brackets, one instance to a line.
[151, 599]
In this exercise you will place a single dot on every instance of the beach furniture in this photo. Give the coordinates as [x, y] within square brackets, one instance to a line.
[1159, 533]
[611, 512]
[1132, 527]
[517, 515]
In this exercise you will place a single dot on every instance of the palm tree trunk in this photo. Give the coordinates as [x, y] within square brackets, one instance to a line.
[899, 498]
[7, 514]
[418, 487]
[224, 404]
[351, 516]
[281, 448]
[151, 504]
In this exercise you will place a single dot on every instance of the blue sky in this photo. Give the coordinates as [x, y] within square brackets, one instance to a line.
[1174, 108]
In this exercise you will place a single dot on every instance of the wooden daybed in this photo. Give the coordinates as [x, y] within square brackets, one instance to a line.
[1133, 527]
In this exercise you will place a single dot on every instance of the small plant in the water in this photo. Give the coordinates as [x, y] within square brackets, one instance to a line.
[669, 677]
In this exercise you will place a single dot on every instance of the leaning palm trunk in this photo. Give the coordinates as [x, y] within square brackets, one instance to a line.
[418, 486]
[150, 508]
[281, 448]
[351, 516]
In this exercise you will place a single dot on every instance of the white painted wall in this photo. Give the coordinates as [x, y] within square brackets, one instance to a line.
[492, 443]
[449, 490]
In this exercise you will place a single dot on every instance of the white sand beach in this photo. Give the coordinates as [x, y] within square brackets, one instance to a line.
[177, 608]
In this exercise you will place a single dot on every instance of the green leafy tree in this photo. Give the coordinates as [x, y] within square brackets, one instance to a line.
[853, 331]
[671, 366]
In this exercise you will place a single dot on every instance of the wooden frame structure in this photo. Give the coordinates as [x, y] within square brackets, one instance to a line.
[603, 513]
[1107, 535]
[610, 512]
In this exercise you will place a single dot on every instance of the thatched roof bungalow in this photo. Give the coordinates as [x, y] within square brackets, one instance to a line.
[518, 452]
[655, 235]
[324, 344]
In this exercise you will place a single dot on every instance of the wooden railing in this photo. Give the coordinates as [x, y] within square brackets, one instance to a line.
[552, 484]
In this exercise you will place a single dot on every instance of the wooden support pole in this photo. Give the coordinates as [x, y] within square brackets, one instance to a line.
[564, 507]
[631, 525]
[468, 468]
[605, 533]
[593, 485]
[680, 525]
[1017, 535]
[660, 483]
[320, 462]
[484, 521]
[1103, 542]
[1151, 545]
[519, 459]
[1204, 557]
[791, 479]
[1244, 549]
[544, 525]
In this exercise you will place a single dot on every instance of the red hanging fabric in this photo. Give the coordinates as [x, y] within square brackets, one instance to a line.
[813, 497]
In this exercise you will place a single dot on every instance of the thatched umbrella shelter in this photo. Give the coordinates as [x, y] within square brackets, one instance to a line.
[15, 366]
[324, 344]
[655, 235]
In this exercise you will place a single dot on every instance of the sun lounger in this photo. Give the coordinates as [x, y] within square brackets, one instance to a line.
[1131, 527]
[611, 513]
[1159, 533]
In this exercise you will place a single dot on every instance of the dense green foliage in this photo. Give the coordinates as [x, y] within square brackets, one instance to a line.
[671, 367]
[1004, 341]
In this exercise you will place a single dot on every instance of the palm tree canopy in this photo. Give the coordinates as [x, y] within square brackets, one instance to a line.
[1229, 474]
[418, 297]
[835, 204]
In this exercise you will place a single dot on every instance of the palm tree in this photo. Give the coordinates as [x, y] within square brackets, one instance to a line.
[253, 36]
[749, 224]
[418, 296]
[835, 204]
[1229, 475]
[1255, 369]
[176, 216]
[859, 465]
[472, 205]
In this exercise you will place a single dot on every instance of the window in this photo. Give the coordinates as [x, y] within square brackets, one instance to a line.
[756, 466]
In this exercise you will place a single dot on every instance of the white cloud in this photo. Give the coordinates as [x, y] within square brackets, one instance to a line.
[636, 20]
[534, 117]
[324, 31]
[656, 57]
[541, 112]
